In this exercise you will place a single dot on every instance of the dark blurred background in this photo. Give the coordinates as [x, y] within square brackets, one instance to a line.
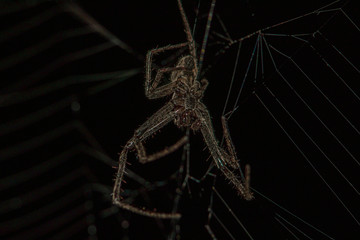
[71, 95]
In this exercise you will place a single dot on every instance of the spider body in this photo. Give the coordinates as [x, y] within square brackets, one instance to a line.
[187, 94]
[186, 110]
[186, 118]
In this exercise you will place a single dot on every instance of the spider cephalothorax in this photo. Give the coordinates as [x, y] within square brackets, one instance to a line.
[187, 111]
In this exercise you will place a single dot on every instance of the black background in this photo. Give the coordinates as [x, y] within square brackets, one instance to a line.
[110, 117]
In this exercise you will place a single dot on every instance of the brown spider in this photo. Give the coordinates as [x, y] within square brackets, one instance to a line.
[187, 111]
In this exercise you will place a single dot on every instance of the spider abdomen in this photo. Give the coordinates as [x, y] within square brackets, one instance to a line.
[185, 118]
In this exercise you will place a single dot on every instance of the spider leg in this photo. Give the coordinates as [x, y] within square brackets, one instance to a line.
[203, 86]
[221, 158]
[188, 33]
[116, 194]
[143, 158]
[153, 91]
[158, 120]
[154, 123]
[229, 144]
[150, 84]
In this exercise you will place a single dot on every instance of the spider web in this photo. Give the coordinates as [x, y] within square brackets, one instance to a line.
[71, 88]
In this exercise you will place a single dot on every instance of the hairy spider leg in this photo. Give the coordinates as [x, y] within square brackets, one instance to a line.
[117, 189]
[150, 84]
[119, 174]
[144, 158]
[221, 158]
[234, 161]
[158, 120]
[229, 144]
[189, 36]
[162, 91]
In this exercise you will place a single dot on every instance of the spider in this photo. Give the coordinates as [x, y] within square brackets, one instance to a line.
[187, 111]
